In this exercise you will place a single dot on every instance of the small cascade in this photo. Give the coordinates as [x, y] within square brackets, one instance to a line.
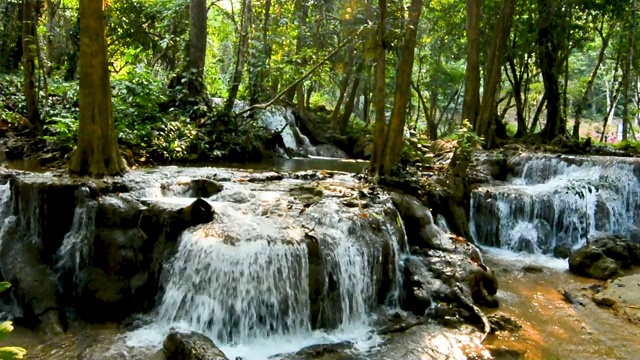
[259, 272]
[556, 201]
[281, 120]
[75, 252]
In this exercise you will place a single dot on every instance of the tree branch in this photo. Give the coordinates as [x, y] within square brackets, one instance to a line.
[299, 80]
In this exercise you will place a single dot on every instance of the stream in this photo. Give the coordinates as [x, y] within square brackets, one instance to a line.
[285, 241]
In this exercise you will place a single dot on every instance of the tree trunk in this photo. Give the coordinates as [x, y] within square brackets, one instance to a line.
[303, 12]
[432, 127]
[626, 118]
[348, 108]
[536, 116]
[29, 28]
[587, 91]
[471, 104]
[243, 44]
[344, 86]
[380, 91]
[194, 67]
[395, 134]
[548, 54]
[52, 10]
[97, 153]
[485, 125]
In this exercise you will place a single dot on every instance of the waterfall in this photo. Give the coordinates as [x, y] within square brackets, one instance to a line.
[259, 272]
[556, 201]
[75, 252]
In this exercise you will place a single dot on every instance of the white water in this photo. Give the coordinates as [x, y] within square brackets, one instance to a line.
[552, 202]
[75, 252]
[243, 280]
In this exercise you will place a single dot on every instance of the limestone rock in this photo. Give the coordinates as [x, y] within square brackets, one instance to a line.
[191, 346]
[591, 262]
[623, 295]
[204, 188]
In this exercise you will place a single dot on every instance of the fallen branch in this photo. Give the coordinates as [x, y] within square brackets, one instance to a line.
[299, 80]
[569, 298]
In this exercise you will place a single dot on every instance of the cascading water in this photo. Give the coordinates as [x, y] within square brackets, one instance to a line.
[262, 272]
[75, 251]
[557, 201]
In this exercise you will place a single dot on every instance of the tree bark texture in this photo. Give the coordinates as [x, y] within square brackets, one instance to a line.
[395, 134]
[471, 104]
[243, 44]
[97, 153]
[380, 91]
[485, 125]
[548, 57]
[29, 47]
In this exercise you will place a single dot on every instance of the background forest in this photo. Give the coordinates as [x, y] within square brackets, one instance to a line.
[511, 68]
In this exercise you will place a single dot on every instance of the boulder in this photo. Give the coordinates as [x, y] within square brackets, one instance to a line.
[204, 188]
[623, 296]
[191, 346]
[503, 323]
[416, 218]
[589, 261]
[619, 249]
[330, 151]
[123, 274]
[33, 283]
[562, 251]
[338, 351]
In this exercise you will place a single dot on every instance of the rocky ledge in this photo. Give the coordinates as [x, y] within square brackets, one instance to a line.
[605, 257]
[102, 244]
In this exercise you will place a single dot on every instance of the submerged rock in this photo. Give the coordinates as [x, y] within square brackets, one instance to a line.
[503, 323]
[191, 346]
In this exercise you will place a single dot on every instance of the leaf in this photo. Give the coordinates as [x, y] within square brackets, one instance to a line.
[12, 352]
[4, 286]
[5, 329]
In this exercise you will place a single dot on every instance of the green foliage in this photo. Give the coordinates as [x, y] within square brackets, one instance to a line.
[416, 150]
[467, 140]
[9, 352]
[628, 145]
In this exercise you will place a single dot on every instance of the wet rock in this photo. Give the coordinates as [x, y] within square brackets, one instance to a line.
[238, 197]
[533, 269]
[614, 247]
[191, 346]
[415, 216]
[33, 282]
[623, 296]
[591, 262]
[503, 323]
[506, 354]
[123, 274]
[562, 251]
[204, 188]
[338, 351]
[330, 151]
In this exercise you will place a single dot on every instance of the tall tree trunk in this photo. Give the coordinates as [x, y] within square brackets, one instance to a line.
[485, 125]
[471, 104]
[592, 79]
[432, 127]
[344, 86]
[243, 44]
[29, 28]
[52, 10]
[548, 54]
[395, 134]
[348, 108]
[626, 118]
[302, 8]
[380, 93]
[194, 66]
[259, 79]
[97, 153]
[538, 113]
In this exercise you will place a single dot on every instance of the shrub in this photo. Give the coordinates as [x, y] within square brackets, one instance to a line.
[9, 352]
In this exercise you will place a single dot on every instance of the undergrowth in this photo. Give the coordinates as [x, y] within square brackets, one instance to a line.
[153, 123]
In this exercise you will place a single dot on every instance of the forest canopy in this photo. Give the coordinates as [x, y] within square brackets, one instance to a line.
[392, 75]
